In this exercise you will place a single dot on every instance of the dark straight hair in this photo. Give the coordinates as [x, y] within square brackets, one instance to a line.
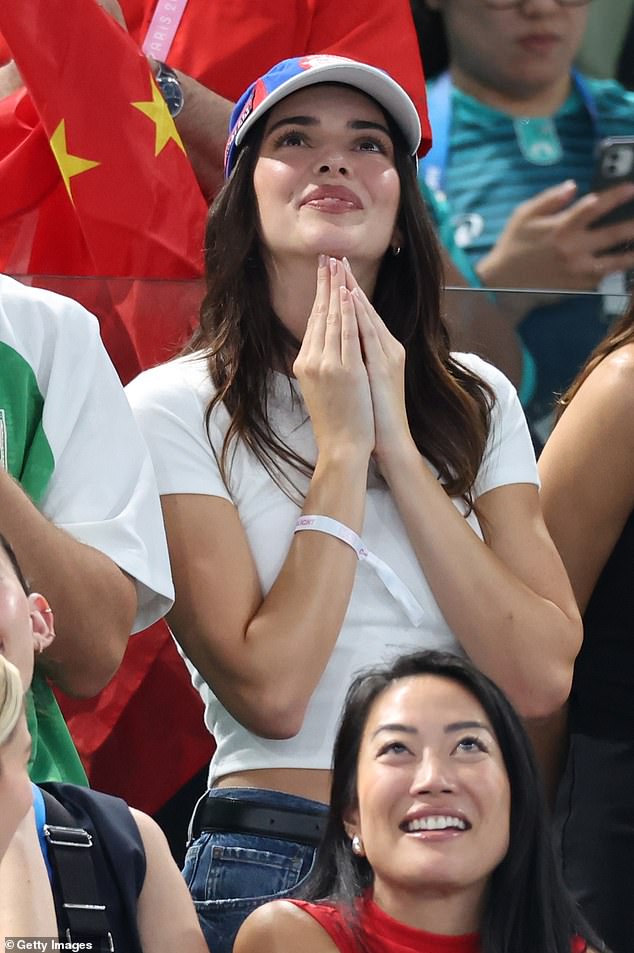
[448, 406]
[528, 908]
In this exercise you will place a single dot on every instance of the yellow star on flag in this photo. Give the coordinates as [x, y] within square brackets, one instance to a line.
[157, 111]
[69, 165]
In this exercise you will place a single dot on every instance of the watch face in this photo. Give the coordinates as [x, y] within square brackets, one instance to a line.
[170, 88]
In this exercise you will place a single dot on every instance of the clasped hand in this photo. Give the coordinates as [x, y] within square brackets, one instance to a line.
[351, 369]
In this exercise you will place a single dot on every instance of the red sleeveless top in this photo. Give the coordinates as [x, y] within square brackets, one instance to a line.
[383, 934]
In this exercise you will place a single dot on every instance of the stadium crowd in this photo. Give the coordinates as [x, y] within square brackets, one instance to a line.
[316, 456]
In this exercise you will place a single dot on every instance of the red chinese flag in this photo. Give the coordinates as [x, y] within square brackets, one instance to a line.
[122, 162]
[96, 182]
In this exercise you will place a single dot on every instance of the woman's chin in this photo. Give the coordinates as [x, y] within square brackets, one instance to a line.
[340, 242]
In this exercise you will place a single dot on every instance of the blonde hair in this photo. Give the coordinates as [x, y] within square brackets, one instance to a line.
[11, 699]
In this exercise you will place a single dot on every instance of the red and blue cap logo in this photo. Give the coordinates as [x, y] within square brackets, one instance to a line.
[291, 75]
[261, 90]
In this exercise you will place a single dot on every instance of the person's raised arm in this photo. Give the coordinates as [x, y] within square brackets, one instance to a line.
[586, 470]
[203, 125]
[93, 600]
[506, 598]
[85, 516]
[263, 656]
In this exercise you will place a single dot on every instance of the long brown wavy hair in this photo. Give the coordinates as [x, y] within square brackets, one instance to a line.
[620, 334]
[448, 406]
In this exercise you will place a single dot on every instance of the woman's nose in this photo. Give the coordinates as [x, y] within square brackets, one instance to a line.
[434, 775]
[334, 164]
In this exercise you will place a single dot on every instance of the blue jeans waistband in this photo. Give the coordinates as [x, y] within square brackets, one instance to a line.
[261, 812]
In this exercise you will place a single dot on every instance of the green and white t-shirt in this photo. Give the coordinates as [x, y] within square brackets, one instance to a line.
[67, 435]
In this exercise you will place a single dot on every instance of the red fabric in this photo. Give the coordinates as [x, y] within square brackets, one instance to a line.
[143, 737]
[382, 934]
[229, 43]
[138, 213]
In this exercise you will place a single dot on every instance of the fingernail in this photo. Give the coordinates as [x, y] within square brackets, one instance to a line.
[346, 264]
[322, 261]
[568, 184]
[333, 266]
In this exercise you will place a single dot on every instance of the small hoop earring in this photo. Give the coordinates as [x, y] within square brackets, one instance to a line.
[396, 250]
[357, 846]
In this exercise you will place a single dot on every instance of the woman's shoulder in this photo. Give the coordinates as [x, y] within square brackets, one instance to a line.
[614, 377]
[489, 373]
[280, 926]
[606, 396]
[170, 384]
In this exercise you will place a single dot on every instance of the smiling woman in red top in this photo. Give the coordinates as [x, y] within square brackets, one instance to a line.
[437, 839]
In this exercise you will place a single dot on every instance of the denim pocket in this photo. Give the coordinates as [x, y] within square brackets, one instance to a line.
[228, 881]
[218, 867]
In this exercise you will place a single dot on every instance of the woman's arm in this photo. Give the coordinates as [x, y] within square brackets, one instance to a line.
[507, 598]
[587, 469]
[166, 916]
[264, 656]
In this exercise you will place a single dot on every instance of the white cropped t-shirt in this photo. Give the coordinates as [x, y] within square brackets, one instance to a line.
[170, 403]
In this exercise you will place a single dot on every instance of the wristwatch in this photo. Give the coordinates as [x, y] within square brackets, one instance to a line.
[170, 87]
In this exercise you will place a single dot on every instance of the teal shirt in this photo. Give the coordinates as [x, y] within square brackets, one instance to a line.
[487, 174]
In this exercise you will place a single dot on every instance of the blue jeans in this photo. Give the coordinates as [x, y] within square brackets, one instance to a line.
[229, 875]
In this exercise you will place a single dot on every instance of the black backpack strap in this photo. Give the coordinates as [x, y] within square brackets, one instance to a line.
[81, 914]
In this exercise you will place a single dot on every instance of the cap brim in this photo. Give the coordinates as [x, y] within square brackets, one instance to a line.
[368, 79]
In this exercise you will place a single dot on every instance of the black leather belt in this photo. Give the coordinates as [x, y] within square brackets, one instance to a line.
[241, 816]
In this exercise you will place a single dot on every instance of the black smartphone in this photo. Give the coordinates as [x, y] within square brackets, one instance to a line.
[614, 166]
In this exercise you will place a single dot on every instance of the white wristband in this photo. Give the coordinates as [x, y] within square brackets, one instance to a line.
[395, 586]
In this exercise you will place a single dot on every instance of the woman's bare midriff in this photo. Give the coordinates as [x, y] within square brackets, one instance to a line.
[302, 782]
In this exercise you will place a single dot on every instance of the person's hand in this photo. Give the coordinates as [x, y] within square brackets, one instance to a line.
[384, 358]
[548, 242]
[330, 367]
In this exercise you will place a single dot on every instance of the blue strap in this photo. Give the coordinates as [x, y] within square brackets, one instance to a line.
[440, 107]
[40, 821]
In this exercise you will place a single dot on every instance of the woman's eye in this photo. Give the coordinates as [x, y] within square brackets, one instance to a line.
[291, 138]
[471, 743]
[372, 145]
[393, 747]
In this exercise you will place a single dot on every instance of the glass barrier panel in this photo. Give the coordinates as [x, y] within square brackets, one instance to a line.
[539, 338]
[143, 321]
